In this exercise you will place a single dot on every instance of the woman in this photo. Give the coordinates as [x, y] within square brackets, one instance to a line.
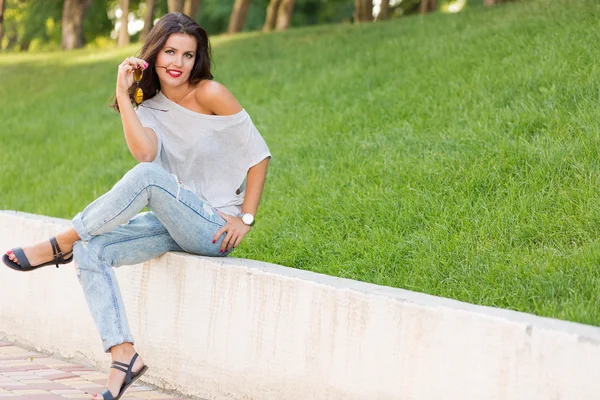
[201, 173]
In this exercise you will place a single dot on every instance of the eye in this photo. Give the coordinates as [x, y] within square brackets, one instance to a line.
[188, 55]
[169, 51]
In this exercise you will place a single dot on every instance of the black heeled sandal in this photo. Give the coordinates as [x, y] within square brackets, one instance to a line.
[24, 264]
[130, 377]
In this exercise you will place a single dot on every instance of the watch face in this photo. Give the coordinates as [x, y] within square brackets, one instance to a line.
[248, 219]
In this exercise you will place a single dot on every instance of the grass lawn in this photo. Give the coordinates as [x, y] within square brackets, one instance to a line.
[455, 155]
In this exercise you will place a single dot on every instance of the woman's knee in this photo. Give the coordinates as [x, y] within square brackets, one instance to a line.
[145, 172]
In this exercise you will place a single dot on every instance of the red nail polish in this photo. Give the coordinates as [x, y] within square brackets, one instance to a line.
[9, 252]
[214, 241]
[221, 251]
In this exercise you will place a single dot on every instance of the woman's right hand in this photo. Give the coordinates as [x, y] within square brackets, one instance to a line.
[125, 73]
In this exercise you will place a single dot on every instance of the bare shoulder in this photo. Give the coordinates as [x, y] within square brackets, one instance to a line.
[216, 98]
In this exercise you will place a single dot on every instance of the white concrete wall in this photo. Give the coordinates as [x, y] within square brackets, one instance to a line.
[241, 329]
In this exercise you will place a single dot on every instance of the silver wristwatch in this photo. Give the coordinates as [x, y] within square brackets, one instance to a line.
[248, 219]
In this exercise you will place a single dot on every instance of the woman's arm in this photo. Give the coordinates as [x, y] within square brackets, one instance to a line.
[255, 182]
[235, 228]
[142, 142]
[215, 97]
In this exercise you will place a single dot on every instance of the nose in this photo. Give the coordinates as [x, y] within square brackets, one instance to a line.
[178, 62]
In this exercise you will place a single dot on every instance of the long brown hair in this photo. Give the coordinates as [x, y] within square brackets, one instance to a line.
[171, 23]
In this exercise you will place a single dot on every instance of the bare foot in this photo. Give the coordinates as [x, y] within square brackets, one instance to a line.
[116, 378]
[41, 252]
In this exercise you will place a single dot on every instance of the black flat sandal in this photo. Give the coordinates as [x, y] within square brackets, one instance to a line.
[130, 377]
[25, 266]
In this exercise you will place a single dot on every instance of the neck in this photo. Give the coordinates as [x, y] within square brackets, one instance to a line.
[176, 94]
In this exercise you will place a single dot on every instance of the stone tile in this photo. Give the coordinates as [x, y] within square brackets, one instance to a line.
[12, 385]
[29, 391]
[61, 376]
[67, 391]
[77, 368]
[70, 380]
[49, 371]
[76, 395]
[11, 349]
[21, 376]
[89, 387]
[85, 373]
[40, 369]
[30, 378]
[48, 386]
[12, 397]
[25, 356]
[46, 396]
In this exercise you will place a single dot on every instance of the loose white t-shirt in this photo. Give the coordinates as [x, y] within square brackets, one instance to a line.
[208, 154]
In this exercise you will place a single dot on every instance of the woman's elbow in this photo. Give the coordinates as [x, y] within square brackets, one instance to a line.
[145, 157]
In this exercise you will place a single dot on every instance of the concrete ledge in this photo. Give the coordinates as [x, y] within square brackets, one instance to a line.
[242, 329]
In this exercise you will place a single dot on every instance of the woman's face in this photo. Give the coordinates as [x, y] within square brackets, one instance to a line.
[176, 59]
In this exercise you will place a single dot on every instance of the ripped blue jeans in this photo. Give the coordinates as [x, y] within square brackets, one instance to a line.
[113, 234]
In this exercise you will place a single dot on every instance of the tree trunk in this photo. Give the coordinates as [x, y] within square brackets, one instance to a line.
[363, 11]
[384, 11]
[123, 39]
[72, 20]
[148, 19]
[428, 6]
[175, 5]
[191, 8]
[284, 15]
[238, 16]
[271, 18]
[2, 7]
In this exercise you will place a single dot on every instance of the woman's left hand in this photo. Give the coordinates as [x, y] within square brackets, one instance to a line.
[235, 230]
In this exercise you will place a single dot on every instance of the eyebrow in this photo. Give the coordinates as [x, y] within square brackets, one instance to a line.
[175, 48]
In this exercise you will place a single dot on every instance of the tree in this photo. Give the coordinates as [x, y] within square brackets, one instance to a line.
[123, 39]
[284, 15]
[428, 6]
[363, 11]
[72, 19]
[279, 15]
[148, 19]
[2, 7]
[238, 16]
[271, 17]
[175, 5]
[493, 2]
[191, 8]
[384, 10]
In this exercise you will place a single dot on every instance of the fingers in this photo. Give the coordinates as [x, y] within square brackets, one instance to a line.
[233, 237]
[227, 243]
[234, 231]
[219, 233]
[134, 63]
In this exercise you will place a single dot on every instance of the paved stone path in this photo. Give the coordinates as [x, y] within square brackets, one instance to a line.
[29, 375]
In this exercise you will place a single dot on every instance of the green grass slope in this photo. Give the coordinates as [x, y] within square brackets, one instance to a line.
[455, 155]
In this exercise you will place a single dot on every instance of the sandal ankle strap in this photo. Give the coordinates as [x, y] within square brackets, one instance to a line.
[57, 252]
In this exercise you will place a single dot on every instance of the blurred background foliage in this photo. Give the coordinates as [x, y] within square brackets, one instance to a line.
[36, 25]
